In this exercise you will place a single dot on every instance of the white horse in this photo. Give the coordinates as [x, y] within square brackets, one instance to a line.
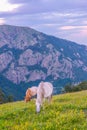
[44, 90]
[30, 92]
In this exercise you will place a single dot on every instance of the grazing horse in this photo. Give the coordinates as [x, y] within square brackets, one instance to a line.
[30, 92]
[44, 90]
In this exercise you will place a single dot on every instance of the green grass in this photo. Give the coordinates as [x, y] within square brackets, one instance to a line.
[66, 112]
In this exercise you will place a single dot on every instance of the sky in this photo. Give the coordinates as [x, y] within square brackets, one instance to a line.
[65, 19]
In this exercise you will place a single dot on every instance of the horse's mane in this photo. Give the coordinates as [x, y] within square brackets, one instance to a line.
[28, 92]
[40, 93]
[42, 89]
[42, 84]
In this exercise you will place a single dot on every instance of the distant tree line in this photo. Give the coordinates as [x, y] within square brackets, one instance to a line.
[4, 98]
[74, 88]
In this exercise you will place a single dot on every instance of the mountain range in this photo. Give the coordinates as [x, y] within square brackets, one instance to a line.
[28, 56]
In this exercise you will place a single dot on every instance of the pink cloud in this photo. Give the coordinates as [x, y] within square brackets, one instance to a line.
[2, 21]
[72, 27]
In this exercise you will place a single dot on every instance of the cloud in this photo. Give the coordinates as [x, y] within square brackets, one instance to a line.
[62, 18]
[73, 27]
[32, 6]
[18, 1]
[2, 21]
[79, 36]
[5, 6]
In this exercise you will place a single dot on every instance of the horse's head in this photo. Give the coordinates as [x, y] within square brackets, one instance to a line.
[27, 99]
[28, 96]
[38, 107]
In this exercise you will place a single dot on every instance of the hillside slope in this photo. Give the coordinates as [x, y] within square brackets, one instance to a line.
[28, 56]
[66, 112]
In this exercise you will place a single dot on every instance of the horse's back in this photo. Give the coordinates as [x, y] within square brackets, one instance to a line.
[48, 89]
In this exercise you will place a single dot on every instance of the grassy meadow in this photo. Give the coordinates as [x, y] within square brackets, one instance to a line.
[66, 112]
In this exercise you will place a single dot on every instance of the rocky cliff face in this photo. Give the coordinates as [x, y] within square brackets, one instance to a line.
[27, 55]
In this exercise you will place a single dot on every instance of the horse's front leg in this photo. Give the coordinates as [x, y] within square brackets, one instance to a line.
[43, 103]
